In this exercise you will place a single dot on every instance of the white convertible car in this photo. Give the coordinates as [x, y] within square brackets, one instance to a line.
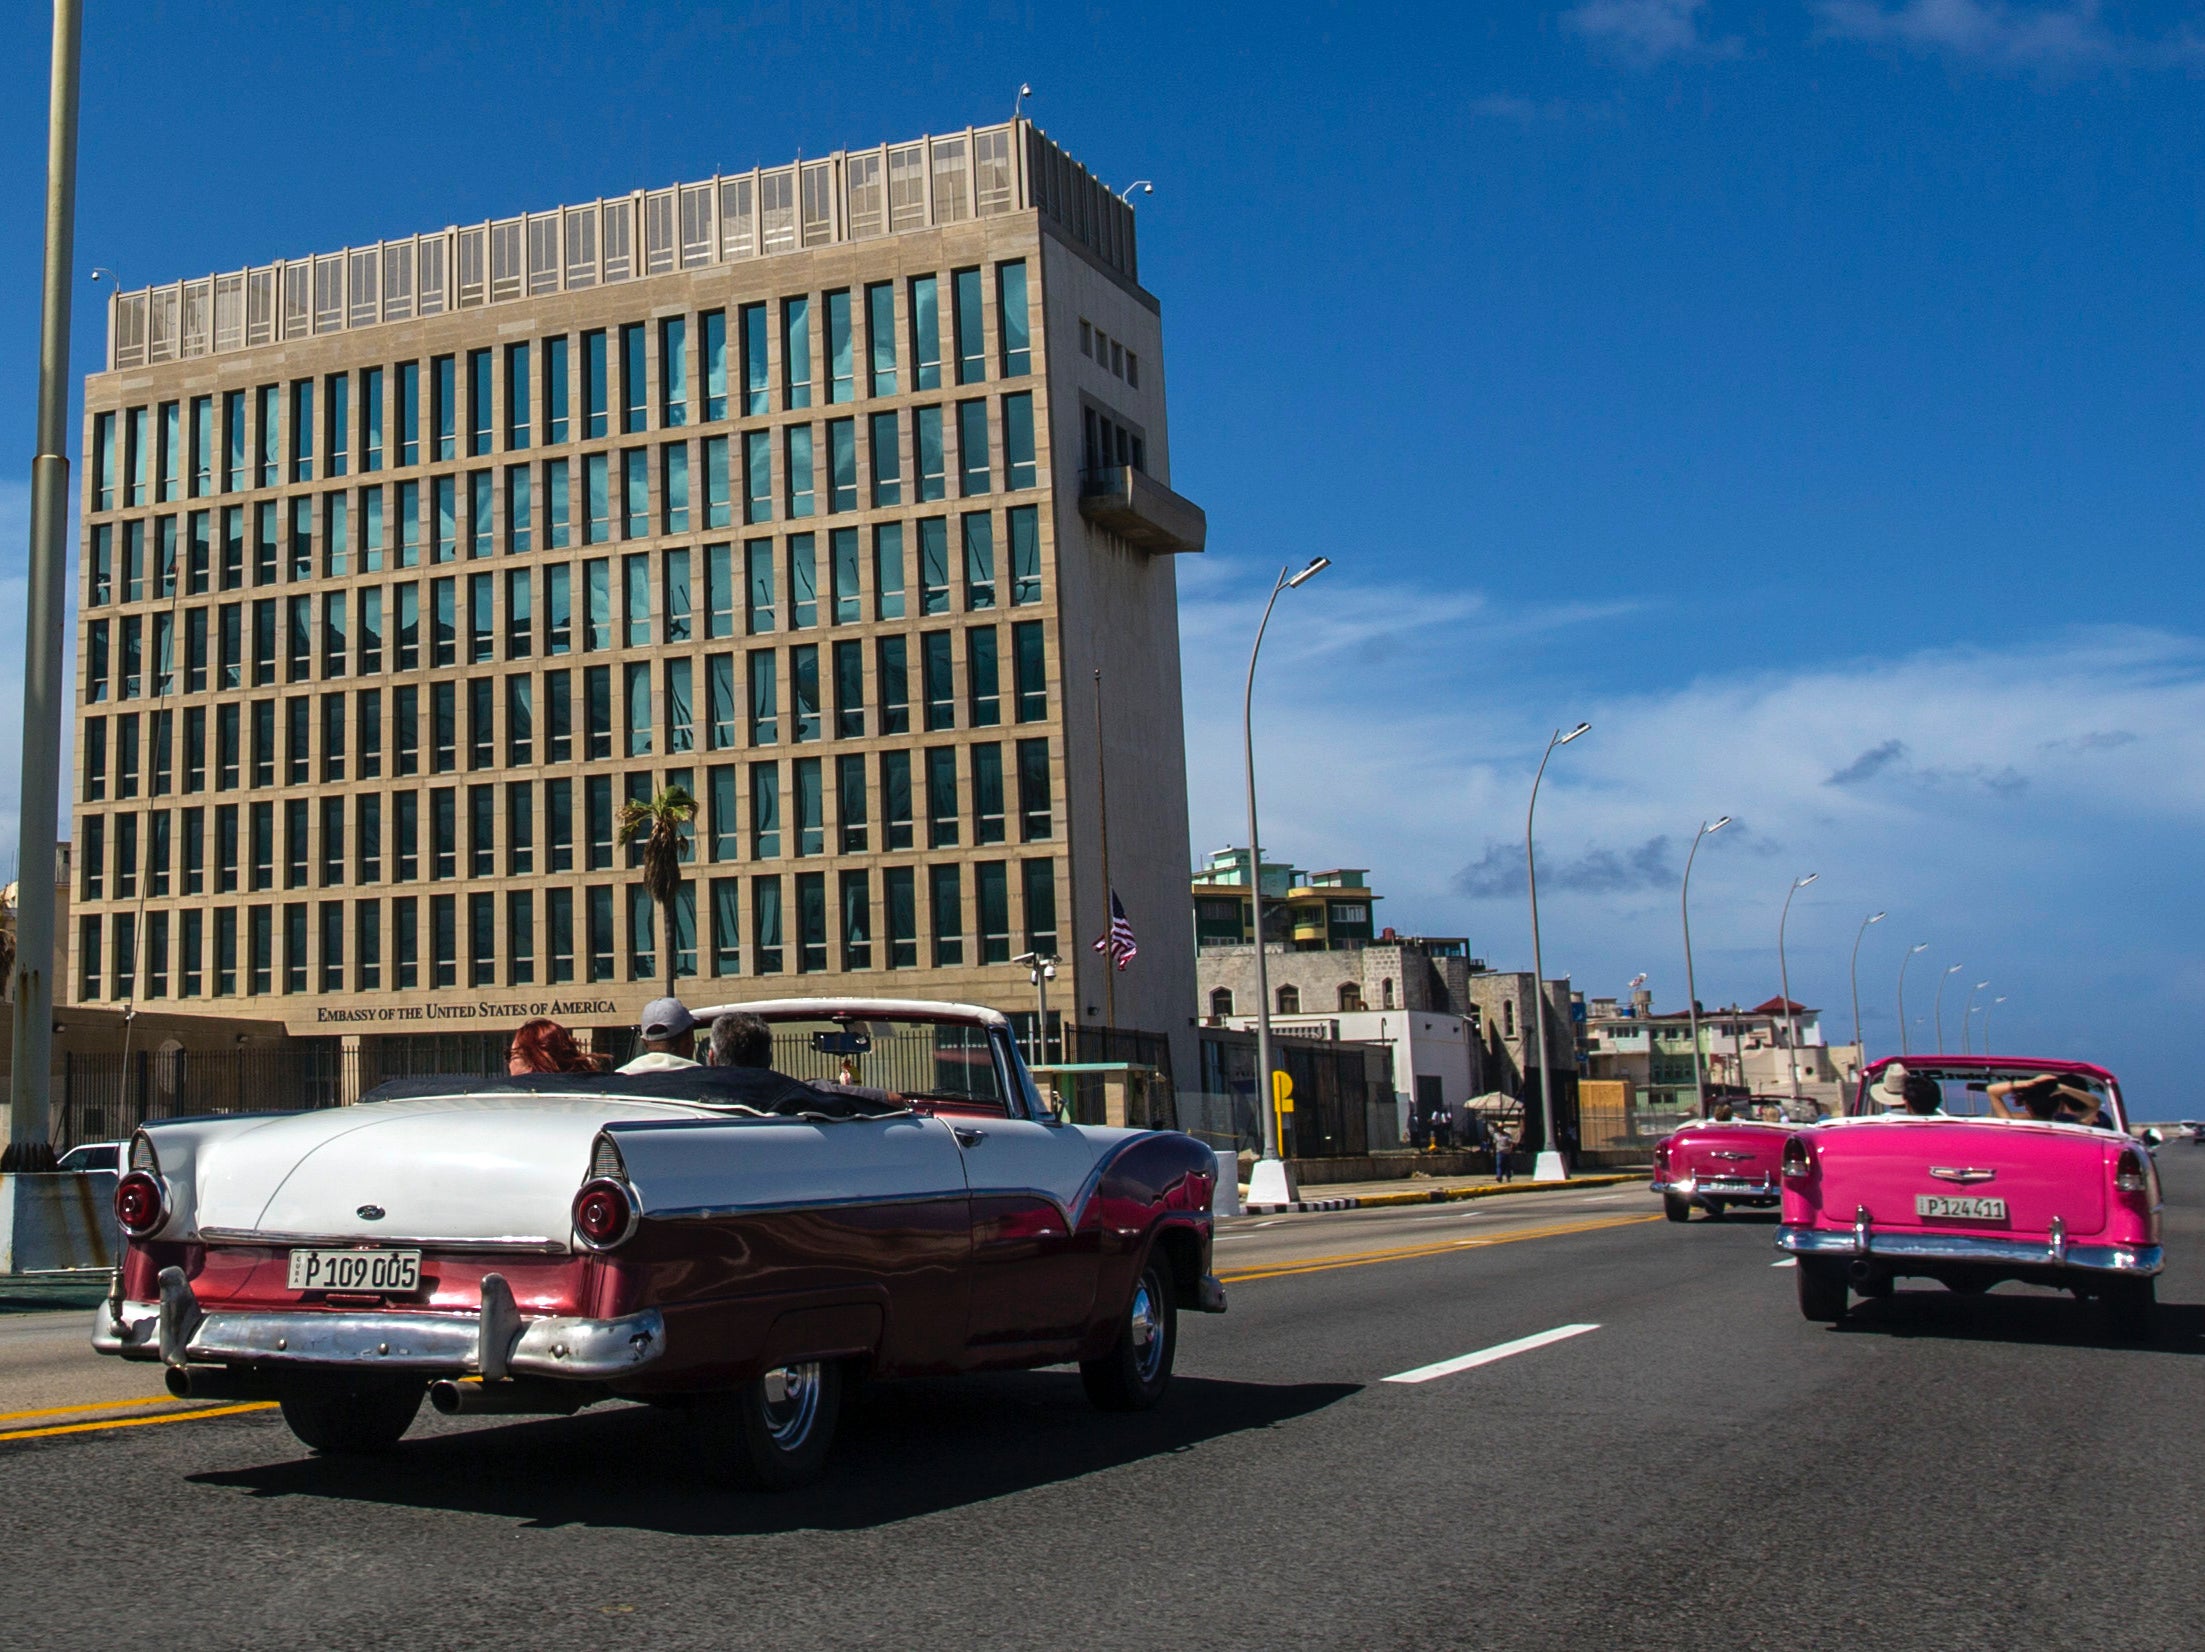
[730, 1241]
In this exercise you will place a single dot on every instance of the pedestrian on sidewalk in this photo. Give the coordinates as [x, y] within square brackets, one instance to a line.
[1501, 1146]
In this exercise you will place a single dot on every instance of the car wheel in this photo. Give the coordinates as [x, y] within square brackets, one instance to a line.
[1822, 1291]
[1676, 1207]
[1137, 1370]
[2131, 1306]
[356, 1422]
[773, 1433]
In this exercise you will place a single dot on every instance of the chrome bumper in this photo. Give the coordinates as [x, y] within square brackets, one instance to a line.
[494, 1343]
[1719, 1187]
[1901, 1248]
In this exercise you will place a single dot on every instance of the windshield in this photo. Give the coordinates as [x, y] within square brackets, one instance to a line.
[1966, 1094]
[943, 1061]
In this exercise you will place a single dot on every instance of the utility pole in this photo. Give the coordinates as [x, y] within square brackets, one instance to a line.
[29, 1098]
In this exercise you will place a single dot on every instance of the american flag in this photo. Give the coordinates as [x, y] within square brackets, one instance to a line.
[1118, 943]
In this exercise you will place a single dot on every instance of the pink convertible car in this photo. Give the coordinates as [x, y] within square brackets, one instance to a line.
[1716, 1163]
[1956, 1191]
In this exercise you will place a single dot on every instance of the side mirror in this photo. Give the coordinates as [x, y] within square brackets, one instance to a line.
[2151, 1137]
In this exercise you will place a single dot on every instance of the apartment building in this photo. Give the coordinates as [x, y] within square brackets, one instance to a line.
[834, 493]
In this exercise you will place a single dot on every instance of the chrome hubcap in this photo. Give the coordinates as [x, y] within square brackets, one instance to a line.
[1147, 1332]
[791, 1401]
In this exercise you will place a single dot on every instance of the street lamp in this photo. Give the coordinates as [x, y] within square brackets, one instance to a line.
[1941, 980]
[1860, 1050]
[1041, 969]
[1141, 184]
[1691, 990]
[1965, 1049]
[1784, 979]
[1987, 1008]
[1270, 1183]
[1549, 1166]
[1903, 962]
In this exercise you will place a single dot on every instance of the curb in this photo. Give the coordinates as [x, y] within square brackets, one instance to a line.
[1439, 1195]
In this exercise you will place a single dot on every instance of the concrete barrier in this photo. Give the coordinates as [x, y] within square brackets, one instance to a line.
[1226, 1200]
[59, 1223]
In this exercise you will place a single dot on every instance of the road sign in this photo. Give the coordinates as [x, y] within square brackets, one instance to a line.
[1282, 1091]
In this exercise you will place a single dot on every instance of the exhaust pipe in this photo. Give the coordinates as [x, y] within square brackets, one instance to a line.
[219, 1382]
[509, 1398]
[1860, 1272]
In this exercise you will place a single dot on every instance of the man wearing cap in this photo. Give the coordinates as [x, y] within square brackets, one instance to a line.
[669, 1038]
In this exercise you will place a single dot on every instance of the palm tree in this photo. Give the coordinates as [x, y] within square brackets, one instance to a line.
[662, 825]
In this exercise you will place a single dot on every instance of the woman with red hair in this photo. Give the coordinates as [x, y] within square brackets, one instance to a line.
[543, 1046]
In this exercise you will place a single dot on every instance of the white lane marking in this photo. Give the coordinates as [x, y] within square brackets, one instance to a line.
[1788, 1262]
[1606, 1198]
[1486, 1356]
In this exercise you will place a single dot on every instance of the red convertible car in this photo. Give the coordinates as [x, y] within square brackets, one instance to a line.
[1970, 1171]
[895, 1199]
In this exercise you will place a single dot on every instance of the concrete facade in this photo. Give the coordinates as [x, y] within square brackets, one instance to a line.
[358, 693]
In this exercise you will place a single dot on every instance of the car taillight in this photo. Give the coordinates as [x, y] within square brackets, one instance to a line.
[1661, 1152]
[2128, 1172]
[605, 1213]
[139, 1206]
[1799, 1159]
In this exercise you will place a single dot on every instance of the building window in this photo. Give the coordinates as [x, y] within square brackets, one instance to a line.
[972, 358]
[926, 333]
[1012, 319]
[1221, 1003]
[945, 901]
[1351, 997]
[1290, 1001]
[972, 448]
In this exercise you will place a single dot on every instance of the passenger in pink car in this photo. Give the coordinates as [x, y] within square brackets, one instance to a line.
[2046, 1099]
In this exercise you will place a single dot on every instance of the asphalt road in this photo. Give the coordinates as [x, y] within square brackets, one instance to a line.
[1703, 1468]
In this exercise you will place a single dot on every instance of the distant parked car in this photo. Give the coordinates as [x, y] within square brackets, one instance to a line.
[92, 1155]
[1969, 1198]
[725, 1241]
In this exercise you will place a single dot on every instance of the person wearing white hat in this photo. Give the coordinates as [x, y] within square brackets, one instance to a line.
[669, 1038]
[1890, 1090]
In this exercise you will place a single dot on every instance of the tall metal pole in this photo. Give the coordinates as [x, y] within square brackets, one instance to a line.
[1860, 1050]
[1987, 1008]
[1940, 1012]
[1691, 985]
[1784, 979]
[38, 818]
[1549, 1166]
[1271, 1182]
[1102, 813]
[1968, 1015]
[1903, 962]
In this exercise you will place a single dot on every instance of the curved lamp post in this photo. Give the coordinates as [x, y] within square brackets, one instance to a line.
[1269, 1183]
[1549, 1166]
[1968, 1014]
[1987, 1008]
[1903, 962]
[1860, 1050]
[1691, 989]
[1784, 978]
[1940, 1010]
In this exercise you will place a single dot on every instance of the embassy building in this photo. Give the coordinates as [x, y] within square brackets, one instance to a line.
[835, 493]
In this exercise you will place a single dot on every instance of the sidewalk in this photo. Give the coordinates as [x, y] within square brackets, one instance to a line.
[1435, 1190]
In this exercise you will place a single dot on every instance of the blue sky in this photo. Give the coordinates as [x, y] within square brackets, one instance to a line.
[1805, 392]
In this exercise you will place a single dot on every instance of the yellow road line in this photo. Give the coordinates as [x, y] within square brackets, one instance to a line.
[89, 1405]
[1406, 1253]
[137, 1422]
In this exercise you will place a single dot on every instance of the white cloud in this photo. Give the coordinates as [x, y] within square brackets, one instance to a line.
[2050, 39]
[1647, 31]
[2003, 805]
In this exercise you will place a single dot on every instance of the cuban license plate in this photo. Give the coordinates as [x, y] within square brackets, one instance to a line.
[1960, 1207]
[355, 1270]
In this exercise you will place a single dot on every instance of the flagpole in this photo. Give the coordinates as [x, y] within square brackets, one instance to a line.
[1102, 809]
